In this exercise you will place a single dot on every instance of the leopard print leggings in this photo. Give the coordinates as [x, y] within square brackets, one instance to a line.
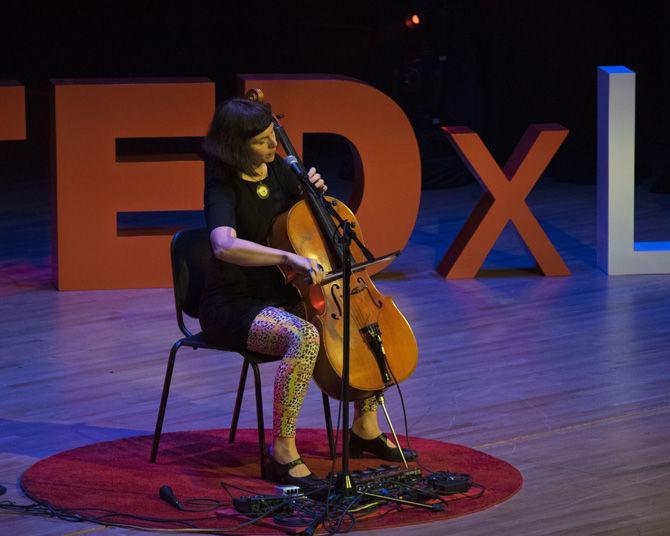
[277, 332]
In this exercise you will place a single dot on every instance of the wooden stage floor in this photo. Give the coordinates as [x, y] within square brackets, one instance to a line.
[566, 378]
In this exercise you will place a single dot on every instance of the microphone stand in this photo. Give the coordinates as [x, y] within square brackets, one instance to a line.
[344, 484]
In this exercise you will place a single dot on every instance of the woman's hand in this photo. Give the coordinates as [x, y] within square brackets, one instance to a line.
[316, 180]
[306, 266]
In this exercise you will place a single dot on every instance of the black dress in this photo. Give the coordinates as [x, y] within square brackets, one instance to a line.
[234, 295]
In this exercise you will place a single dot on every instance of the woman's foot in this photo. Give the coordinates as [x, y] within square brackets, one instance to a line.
[283, 473]
[370, 430]
[285, 452]
[366, 426]
[366, 436]
[382, 448]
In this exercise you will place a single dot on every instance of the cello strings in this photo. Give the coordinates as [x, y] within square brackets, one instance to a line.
[360, 317]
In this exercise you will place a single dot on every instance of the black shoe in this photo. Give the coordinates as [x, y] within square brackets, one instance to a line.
[279, 472]
[378, 447]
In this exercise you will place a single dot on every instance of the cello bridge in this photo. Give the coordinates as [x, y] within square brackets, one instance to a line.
[359, 288]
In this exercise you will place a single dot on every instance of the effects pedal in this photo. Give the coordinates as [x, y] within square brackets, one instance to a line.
[270, 505]
[444, 482]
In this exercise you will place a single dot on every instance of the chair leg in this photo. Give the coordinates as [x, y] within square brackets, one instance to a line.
[164, 397]
[259, 417]
[238, 402]
[329, 425]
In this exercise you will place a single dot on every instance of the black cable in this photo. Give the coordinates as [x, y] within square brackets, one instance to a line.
[427, 492]
[321, 516]
[332, 515]
[315, 515]
[279, 519]
[346, 513]
[226, 486]
[197, 504]
[46, 509]
[264, 514]
[37, 509]
[202, 505]
[297, 518]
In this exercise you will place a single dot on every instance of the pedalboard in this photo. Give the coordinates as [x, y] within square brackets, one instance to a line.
[386, 475]
[370, 480]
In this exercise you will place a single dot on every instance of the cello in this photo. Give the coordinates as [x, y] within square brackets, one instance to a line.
[382, 347]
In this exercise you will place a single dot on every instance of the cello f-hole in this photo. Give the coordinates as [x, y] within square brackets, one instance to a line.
[333, 292]
[378, 303]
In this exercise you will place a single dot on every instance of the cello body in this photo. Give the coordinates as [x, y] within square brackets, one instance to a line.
[379, 333]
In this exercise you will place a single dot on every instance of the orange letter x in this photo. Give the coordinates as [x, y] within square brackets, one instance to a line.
[504, 200]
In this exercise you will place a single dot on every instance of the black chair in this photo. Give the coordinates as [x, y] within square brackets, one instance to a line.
[191, 254]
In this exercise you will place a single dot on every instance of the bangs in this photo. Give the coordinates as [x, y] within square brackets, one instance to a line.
[245, 119]
[257, 123]
[235, 122]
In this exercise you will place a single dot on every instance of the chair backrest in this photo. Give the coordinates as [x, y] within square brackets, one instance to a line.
[191, 255]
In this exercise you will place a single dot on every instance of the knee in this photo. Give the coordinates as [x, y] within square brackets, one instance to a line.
[308, 340]
[312, 335]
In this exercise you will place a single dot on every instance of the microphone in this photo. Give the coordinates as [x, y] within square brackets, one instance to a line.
[168, 496]
[294, 164]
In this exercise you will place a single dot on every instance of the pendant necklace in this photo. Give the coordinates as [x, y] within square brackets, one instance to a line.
[262, 190]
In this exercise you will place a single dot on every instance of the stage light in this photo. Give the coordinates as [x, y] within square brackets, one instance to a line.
[412, 20]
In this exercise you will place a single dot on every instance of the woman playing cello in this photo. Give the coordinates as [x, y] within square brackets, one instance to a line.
[246, 302]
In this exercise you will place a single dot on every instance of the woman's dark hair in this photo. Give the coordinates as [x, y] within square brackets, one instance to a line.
[235, 122]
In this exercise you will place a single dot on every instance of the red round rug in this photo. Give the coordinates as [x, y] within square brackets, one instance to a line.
[116, 477]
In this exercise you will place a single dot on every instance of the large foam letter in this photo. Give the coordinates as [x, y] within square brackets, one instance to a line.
[386, 197]
[617, 251]
[12, 111]
[504, 200]
[92, 186]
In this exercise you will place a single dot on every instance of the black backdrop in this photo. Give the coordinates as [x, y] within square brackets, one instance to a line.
[495, 66]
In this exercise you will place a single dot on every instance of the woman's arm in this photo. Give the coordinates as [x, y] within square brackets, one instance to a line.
[228, 248]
